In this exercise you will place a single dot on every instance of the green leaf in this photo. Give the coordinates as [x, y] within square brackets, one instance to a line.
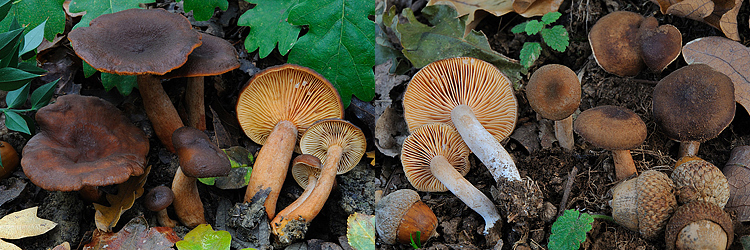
[204, 9]
[268, 27]
[124, 83]
[31, 68]
[360, 231]
[4, 8]
[11, 59]
[556, 38]
[340, 44]
[529, 53]
[32, 39]
[13, 78]
[519, 28]
[88, 71]
[95, 8]
[745, 241]
[569, 230]
[533, 27]
[241, 161]
[203, 237]
[32, 13]
[17, 98]
[41, 96]
[8, 41]
[424, 44]
[16, 122]
[550, 17]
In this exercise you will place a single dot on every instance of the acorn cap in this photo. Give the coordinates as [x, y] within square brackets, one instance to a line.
[644, 204]
[554, 91]
[425, 143]
[136, 41]
[615, 44]
[303, 166]
[322, 134]
[444, 84]
[696, 211]
[611, 127]
[83, 141]
[158, 198]
[198, 156]
[215, 56]
[660, 45]
[694, 103]
[697, 179]
[390, 213]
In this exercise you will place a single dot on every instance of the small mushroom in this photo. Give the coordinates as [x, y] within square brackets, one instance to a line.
[737, 172]
[306, 172]
[660, 45]
[699, 180]
[274, 109]
[10, 159]
[644, 204]
[435, 159]
[554, 92]
[401, 214]
[615, 43]
[157, 200]
[616, 129]
[199, 158]
[699, 225]
[693, 104]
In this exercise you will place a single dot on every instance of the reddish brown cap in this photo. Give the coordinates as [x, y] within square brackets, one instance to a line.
[136, 41]
[554, 91]
[83, 141]
[660, 45]
[615, 44]
[199, 157]
[215, 56]
[158, 198]
[303, 166]
[325, 133]
[611, 127]
[425, 143]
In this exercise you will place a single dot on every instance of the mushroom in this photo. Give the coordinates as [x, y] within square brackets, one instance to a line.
[473, 96]
[401, 214]
[274, 109]
[697, 179]
[199, 158]
[554, 92]
[693, 104]
[9, 158]
[738, 175]
[435, 159]
[339, 145]
[306, 172]
[157, 200]
[699, 225]
[615, 43]
[616, 129]
[215, 56]
[644, 204]
[142, 42]
[83, 142]
[660, 45]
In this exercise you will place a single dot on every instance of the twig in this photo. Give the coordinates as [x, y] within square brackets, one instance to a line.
[566, 193]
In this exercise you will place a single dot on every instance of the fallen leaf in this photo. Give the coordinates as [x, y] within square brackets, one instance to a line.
[526, 8]
[737, 172]
[721, 14]
[726, 56]
[203, 237]
[360, 230]
[693, 9]
[242, 161]
[10, 189]
[390, 132]
[63, 246]
[530, 8]
[134, 235]
[384, 83]
[106, 217]
[22, 224]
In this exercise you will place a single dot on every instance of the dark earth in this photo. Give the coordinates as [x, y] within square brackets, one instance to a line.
[586, 171]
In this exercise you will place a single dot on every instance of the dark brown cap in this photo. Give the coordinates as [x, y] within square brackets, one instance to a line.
[215, 56]
[158, 198]
[554, 91]
[611, 127]
[615, 44]
[199, 157]
[660, 45]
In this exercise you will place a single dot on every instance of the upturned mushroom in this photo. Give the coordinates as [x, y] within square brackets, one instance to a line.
[692, 105]
[401, 214]
[554, 92]
[616, 129]
[699, 225]
[699, 180]
[274, 109]
[435, 159]
[157, 200]
[473, 96]
[645, 203]
[142, 42]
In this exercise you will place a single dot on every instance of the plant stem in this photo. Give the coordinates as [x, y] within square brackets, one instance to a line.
[603, 217]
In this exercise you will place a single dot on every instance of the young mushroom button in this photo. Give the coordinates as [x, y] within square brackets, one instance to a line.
[401, 214]
[554, 92]
[157, 200]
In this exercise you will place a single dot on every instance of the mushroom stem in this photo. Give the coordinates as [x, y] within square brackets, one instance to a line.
[196, 113]
[624, 165]
[311, 183]
[688, 148]
[272, 164]
[187, 202]
[465, 191]
[483, 144]
[564, 132]
[163, 217]
[159, 109]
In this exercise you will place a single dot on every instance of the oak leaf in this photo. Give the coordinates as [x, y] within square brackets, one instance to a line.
[22, 224]
[726, 56]
[477, 9]
[134, 235]
[106, 217]
[721, 14]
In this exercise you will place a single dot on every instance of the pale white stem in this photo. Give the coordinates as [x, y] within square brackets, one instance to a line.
[564, 132]
[688, 148]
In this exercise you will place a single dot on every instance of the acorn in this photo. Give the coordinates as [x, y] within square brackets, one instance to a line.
[696, 179]
[699, 225]
[644, 204]
[399, 215]
[10, 159]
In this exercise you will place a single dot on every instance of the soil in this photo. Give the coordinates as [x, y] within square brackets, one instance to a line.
[586, 171]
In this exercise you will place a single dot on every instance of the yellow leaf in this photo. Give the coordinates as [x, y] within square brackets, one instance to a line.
[23, 224]
[106, 217]
[371, 154]
[7, 246]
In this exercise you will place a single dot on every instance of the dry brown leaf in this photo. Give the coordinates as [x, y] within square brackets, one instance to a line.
[738, 177]
[63, 246]
[106, 217]
[134, 235]
[726, 56]
[722, 14]
[22, 224]
[477, 9]
[693, 9]
[530, 8]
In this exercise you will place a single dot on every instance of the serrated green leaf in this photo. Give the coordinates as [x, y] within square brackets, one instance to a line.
[340, 44]
[17, 98]
[41, 96]
[569, 230]
[203, 237]
[424, 44]
[8, 41]
[13, 78]
[268, 27]
[31, 13]
[4, 8]
[95, 8]
[556, 38]
[533, 27]
[550, 17]
[124, 83]
[204, 9]
[33, 38]
[360, 231]
[529, 53]
[16, 122]
[519, 28]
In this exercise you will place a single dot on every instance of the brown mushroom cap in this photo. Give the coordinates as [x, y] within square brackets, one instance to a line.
[199, 157]
[425, 143]
[644, 204]
[554, 91]
[660, 45]
[615, 44]
[303, 166]
[83, 141]
[324, 133]
[694, 103]
[158, 198]
[391, 212]
[215, 56]
[136, 41]
[287, 92]
[442, 85]
[697, 179]
[696, 211]
[611, 127]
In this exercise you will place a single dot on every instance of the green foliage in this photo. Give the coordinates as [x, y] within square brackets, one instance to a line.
[203, 237]
[360, 231]
[268, 27]
[32, 13]
[569, 230]
[241, 161]
[40, 97]
[204, 9]
[124, 83]
[340, 44]
[418, 243]
[556, 37]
